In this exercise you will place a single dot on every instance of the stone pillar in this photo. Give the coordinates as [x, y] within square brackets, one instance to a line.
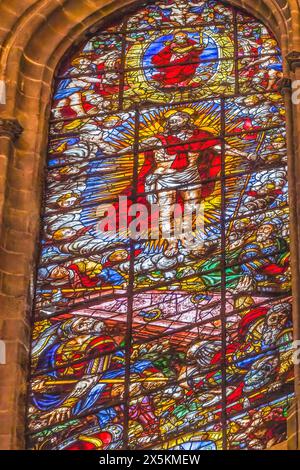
[10, 130]
[13, 330]
[293, 140]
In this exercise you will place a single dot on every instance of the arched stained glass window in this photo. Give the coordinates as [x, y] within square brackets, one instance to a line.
[141, 338]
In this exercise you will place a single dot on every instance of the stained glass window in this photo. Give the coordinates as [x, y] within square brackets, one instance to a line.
[149, 341]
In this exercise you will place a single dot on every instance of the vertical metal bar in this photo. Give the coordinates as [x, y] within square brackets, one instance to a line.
[236, 53]
[223, 278]
[130, 290]
[223, 235]
[122, 69]
[128, 336]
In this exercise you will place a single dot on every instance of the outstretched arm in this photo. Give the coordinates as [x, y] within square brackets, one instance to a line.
[239, 153]
[64, 411]
[143, 145]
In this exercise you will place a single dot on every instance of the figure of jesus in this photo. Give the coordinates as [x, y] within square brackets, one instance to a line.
[177, 62]
[177, 163]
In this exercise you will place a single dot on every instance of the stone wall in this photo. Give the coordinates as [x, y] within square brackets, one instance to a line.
[34, 35]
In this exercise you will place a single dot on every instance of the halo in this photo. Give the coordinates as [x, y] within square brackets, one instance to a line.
[171, 112]
[141, 88]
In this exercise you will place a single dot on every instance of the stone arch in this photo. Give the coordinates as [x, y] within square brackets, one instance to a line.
[35, 37]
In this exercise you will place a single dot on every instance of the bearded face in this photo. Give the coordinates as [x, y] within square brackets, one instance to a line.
[264, 233]
[276, 319]
[274, 324]
[82, 66]
[88, 326]
[178, 122]
[262, 372]
[181, 39]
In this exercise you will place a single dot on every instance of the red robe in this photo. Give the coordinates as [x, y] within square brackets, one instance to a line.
[173, 72]
[209, 165]
[98, 441]
[209, 162]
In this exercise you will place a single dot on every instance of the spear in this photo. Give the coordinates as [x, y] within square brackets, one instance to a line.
[244, 188]
[107, 381]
